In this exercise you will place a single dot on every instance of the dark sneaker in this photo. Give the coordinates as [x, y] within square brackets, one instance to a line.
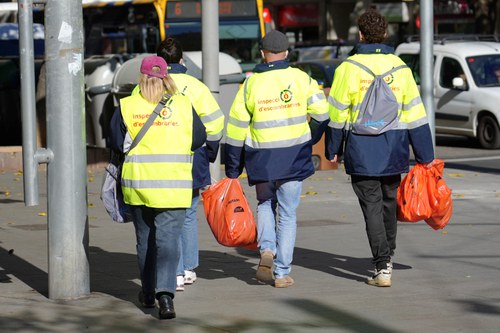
[381, 278]
[147, 300]
[283, 282]
[265, 268]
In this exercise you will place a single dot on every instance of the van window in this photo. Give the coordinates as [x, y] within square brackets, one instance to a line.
[413, 61]
[485, 70]
[450, 69]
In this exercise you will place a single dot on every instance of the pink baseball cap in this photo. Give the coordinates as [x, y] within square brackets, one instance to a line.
[154, 66]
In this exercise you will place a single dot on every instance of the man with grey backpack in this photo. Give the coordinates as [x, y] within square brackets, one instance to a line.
[376, 113]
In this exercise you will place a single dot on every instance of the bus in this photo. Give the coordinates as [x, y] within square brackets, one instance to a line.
[118, 27]
[240, 27]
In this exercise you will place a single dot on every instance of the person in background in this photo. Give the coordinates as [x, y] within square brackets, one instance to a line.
[212, 117]
[269, 134]
[157, 176]
[376, 162]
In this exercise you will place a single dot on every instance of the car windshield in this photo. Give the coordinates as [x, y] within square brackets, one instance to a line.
[485, 70]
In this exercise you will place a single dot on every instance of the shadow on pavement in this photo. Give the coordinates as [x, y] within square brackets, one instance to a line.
[113, 273]
[471, 168]
[218, 265]
[457, 141]
[29, 274]
[351, 268]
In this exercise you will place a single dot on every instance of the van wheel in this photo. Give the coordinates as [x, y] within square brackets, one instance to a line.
[488, 132]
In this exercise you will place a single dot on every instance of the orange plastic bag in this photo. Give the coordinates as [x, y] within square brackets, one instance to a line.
[229, 215]
[424, 195]
[412, 197]
[440, 199]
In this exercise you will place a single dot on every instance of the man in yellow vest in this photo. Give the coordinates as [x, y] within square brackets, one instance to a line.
[376, 161]
[268, 134]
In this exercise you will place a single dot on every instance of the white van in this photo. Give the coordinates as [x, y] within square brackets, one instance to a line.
[466, 87]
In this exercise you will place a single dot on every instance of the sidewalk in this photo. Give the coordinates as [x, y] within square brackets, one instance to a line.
[443, 281]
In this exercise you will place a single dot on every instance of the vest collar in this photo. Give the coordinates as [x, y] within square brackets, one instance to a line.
[269, 66]
[373, 49]
[176, 69]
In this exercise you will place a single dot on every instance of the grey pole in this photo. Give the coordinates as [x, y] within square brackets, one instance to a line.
[31, 156]
[210, 59]
[66, 177]
[427, 62]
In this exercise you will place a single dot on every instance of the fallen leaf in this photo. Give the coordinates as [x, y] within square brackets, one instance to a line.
[311, 193]
[456, 175]
[42, 214]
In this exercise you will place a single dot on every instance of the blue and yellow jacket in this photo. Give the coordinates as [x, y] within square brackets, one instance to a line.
[269, 132]
[210, 114]
[387, 153]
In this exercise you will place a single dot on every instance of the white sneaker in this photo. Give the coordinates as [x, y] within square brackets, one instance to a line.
[189, 277]
[390, 265]
[180, 283]
[381, 278]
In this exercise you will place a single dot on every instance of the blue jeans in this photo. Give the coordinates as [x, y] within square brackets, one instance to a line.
[157, 233]
[188, 243]
[278, 234]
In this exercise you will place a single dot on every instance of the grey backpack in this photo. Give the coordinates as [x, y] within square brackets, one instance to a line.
[378, 112]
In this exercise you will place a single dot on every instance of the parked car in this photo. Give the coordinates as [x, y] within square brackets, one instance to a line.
[466, 87]
[307, 51]
[320, 70]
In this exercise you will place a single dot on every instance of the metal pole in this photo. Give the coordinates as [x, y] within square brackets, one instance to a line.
[427, 61]
[66, 178]
[210, 59]
[31, 156]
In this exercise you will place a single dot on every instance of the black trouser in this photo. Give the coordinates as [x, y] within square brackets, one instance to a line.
[377, 198]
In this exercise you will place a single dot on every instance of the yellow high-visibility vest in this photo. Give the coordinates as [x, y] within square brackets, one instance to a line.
[346, 95]
[271, 110]
[157, 173]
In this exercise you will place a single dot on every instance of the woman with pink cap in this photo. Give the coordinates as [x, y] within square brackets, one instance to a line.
[157, 175]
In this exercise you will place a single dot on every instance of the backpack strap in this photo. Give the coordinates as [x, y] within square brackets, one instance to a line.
[366, 69]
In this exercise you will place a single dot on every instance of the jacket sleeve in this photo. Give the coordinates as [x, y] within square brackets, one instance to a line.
[211, 116]
[339, 107]
[199, 132]
[237, 128]
[317, 129]
[317, 108]
[117, 131]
